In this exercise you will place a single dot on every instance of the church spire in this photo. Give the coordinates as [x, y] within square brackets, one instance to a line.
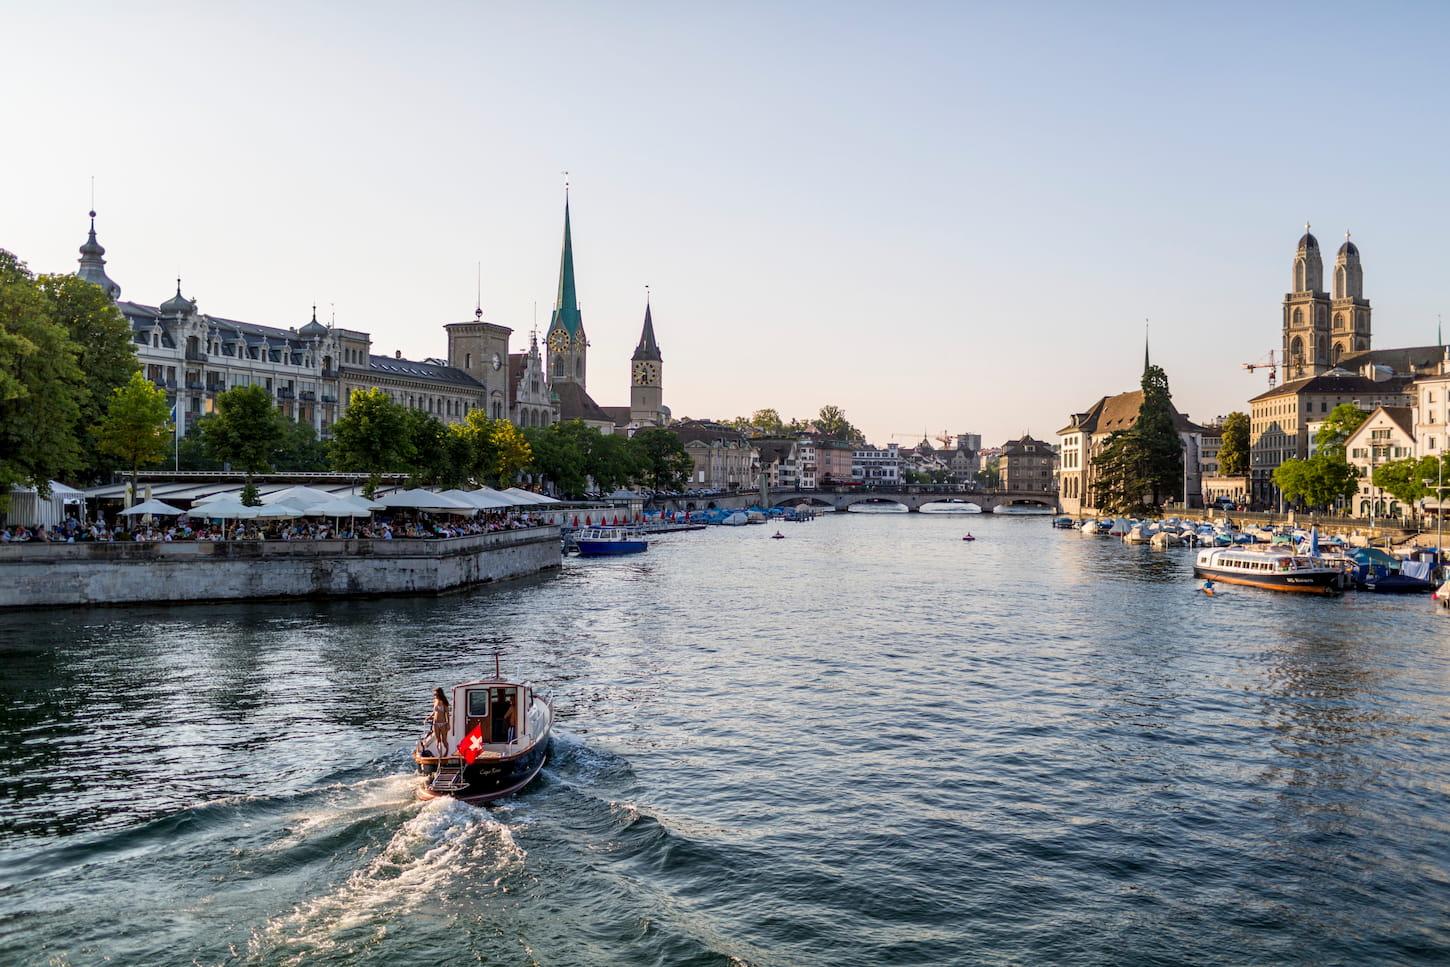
[647, 348]
[566, 307]
[1145, 346]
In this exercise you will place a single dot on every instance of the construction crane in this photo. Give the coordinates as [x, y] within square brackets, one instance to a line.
[1270, 365]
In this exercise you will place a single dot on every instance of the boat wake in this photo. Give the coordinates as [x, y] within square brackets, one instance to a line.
[443, 843]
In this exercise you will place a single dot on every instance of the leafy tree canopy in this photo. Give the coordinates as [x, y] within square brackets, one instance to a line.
[372, 436]
[1233, 450]
[245, 430]
[1317, 482]
[41, 387]
[1342, 421]
[663, 461]
[136, 426]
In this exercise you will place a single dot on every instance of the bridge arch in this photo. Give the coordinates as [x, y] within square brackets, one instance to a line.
[873, 501]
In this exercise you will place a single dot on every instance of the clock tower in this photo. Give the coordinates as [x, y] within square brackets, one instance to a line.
[568, 346]
[646, 393]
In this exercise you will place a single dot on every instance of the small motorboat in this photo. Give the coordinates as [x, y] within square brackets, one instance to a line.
[1063, 523]
[777, 536]
[498, 739]
[969, 537]
[608, 541]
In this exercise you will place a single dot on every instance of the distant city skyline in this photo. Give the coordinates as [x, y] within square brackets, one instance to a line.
[954, 220]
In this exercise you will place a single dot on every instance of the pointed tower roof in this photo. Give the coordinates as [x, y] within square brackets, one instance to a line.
[566, 306]
[647, 348]
[1145, 349]
[93, 264]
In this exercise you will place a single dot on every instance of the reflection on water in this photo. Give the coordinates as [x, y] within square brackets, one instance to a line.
[869, 743]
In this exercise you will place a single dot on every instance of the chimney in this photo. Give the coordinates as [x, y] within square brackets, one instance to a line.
[397, 354]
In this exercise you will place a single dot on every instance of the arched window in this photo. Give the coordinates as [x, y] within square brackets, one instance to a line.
[1298, 317]
[1339, 279]
[1338, 352]
[1299, 270]
[1338, 320]
[1323, 348]
[1296, 348]
[578, 369]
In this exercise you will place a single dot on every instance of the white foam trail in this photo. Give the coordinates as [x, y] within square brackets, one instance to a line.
[344, 804]
[445, 840]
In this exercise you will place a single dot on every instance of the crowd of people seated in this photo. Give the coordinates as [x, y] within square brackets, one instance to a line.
[417, 527]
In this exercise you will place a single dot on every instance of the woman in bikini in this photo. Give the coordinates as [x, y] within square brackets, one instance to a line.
[439, 718]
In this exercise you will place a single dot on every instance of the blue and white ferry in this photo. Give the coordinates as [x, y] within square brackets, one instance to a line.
[609, 541]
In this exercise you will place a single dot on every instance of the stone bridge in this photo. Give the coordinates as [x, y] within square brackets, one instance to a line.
[844, 498]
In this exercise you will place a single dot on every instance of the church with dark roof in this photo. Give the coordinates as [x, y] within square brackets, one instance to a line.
[568, 361]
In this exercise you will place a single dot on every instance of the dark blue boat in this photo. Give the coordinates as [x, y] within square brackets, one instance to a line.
[1374, 570]
[608, 542]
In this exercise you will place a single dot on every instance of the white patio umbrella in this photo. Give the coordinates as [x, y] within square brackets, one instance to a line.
[335, 507]
[486, 498]
[155, 507]
[297, 496]
[273, 512]
[427, 500]
[528, 496]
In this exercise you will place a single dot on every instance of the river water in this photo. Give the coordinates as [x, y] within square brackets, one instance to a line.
[870, 743]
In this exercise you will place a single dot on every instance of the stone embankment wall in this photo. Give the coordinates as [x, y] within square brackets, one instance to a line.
[51, 575]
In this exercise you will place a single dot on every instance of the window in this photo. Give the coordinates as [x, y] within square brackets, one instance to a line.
[477, 703]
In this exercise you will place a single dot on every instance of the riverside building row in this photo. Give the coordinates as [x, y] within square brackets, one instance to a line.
[312, 369]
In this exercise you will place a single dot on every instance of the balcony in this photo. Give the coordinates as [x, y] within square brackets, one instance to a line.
[194, 384]
[329, 373]
[195, 356]
[285, 393]
[308, 395]
[328, 398]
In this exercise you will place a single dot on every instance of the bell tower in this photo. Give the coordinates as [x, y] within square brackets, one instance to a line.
[567, 344]
[1306, 328]
[646, 391]
[1351, 327]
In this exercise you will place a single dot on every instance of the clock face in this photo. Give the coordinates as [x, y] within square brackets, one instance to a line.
[497, 361]
[645, 372]
[558, 340]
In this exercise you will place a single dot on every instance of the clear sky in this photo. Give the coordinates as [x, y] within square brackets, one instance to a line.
[950, 216]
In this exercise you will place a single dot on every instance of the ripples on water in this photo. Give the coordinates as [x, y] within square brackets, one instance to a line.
[870, 743]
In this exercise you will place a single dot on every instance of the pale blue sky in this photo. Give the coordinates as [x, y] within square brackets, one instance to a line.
[942, 216]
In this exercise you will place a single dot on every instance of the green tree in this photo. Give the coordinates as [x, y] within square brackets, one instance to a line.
[244, 432]
[1233, 450]
[1160, 447]
[299, 450]
[1342, 421]
[832, 422]
[135, 428]
[1409, 480]
[105, 352]
[663, 461]
[40, 386]
[1317, 482]
[372, 437]
[1121, 481]
[767, 422]
[991, 473]
[432, 446]
[558, 457]
[610, 461]
[191, 452]
[512, 453]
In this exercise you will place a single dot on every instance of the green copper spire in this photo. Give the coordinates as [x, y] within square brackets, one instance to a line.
[566, 308]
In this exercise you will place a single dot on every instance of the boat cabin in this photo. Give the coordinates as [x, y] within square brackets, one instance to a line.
[504, 713]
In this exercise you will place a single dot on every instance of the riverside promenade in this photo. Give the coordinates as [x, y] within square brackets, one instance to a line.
[62, 575]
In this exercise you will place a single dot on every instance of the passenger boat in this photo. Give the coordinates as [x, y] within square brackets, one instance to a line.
[499, 738]
[1063, 523]
[607, 541]
[1270, 570]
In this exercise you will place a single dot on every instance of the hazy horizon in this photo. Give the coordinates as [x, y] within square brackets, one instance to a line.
[934, 216]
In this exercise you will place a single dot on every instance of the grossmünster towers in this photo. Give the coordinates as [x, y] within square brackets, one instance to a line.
[1320, 329]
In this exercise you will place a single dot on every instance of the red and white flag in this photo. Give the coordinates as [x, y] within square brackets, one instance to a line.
[472, 745]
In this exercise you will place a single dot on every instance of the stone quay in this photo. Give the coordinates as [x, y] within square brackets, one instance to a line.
[50, 575]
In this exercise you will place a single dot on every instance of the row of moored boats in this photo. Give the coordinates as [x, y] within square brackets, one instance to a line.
[1283, 558]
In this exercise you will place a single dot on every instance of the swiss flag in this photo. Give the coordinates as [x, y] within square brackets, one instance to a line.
[472, 744]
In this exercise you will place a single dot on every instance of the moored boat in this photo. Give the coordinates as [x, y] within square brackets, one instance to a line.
[1270, 570]
[608, 541]
[498, 739]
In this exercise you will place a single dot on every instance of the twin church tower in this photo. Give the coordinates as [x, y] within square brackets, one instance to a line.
[1320, 330]
[568, 360]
